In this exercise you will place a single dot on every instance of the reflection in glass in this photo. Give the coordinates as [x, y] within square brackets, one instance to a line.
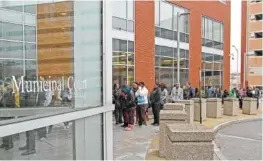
[166, 15]
[12, 49]
[119, 45]
[130, 58]
[130, 75]
[30, 33]
[52, 143]
[11, 68]
[119, 58]
[130, 27]
[12, 31]
[166, 61]
[119, 74]
[30, 51]
[31, 69]
[119, 23]
[166, 77]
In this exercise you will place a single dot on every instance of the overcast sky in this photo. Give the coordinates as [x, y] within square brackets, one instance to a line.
[235, 34]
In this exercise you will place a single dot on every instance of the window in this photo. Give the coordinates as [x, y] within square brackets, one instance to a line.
[12, 31]
[166, 65]
[30, 33]
[123, 15]
[258, 52]
[166, 21]
[258, 35]
[166, 15]
[258, 17]
[123, 61]
[212, 33]
[212, 70]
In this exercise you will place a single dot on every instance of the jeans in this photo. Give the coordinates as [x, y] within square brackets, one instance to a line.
[156, 112]
[129, 116]
[30, 140]
[118, 113]
[141, 111]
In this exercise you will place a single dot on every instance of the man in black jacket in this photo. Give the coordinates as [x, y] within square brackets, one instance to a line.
[155, 99]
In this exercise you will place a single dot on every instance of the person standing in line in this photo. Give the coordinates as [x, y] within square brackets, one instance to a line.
[135, 87]
[142, 99]
[164, 95]
[218, 93]
[210, 91]
[190, 91]
[118, 109]
[155, 99]
[232, 93]
[128, 104]
[177, 93]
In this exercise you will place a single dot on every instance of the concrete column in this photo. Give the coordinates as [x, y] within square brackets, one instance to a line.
[197, 109]
[189, 142]
[213, 107]
[249, 106]
[231, 106]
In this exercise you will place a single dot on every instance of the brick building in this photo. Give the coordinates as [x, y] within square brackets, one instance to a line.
[251, 44]
[148, 38]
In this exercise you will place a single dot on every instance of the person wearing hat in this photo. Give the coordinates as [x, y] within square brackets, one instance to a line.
[177, 93]
[128, 104]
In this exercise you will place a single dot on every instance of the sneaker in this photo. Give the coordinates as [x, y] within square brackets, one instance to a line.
[23, 148]
[128, 129]
[29, 152]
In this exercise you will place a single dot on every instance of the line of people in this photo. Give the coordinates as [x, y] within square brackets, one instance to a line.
[132, 103]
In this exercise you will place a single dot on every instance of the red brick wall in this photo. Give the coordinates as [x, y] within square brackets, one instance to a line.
[145, 35]
[243, 41]
[144, 42]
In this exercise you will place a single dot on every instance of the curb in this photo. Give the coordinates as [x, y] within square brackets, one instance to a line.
[228, 123]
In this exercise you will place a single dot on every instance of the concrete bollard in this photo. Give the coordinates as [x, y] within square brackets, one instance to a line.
[174, 106]
[197, 109]
[168, 116]
[189, 142]
[249, 106]
[213, 108]
[231, 106]
[189, 109]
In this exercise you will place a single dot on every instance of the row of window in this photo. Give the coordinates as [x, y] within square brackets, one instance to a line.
[212, 33]
[166, 16]
[171, 35]
[122, 61]
[123, 15]
[12, 31]
[26, 6]
[10, 68]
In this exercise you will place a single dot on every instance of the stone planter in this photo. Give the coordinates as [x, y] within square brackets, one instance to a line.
[231, 106]
[189, 109]
[168, 116]
[249, 106]
[197, 109]
[189, 142]
[213, 108]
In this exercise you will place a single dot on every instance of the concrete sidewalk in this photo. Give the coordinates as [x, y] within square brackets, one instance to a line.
[153, 151]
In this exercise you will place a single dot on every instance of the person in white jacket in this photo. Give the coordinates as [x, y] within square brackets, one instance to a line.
[142, 101]
[177, 93]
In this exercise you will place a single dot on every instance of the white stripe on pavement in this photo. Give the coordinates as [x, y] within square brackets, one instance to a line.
[238, 137]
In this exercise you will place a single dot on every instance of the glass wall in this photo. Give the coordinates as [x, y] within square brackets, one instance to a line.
[212, 70]
[166, 62]
[122, 61]
[166, 21]
[123, 15]
[51, 65]
[212, 33]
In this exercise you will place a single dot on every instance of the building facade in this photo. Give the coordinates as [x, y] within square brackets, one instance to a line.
[151, 33]
[60, 58]
[251, 44]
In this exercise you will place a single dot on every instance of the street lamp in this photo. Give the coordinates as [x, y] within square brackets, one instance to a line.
[237, 55]
[178, 43]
